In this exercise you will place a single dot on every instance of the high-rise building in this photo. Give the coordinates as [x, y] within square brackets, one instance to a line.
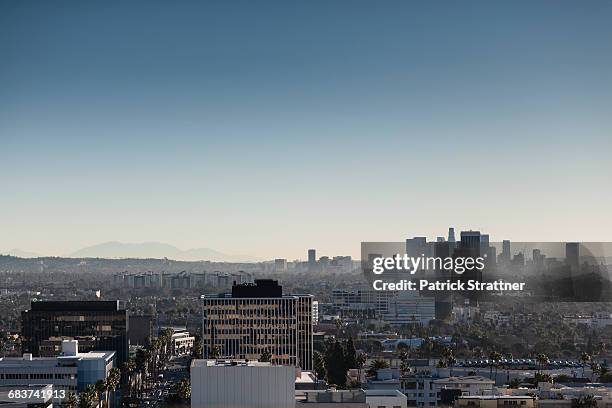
[418, 246]
[98, 325]
[258, 318]
[572, 255]
[443, 298]
[312, 259]
[505, 255]
[471, 240]
[451, 234]
[280, 265]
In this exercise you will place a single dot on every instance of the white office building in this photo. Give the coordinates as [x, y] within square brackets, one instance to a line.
[182, 342]
[386, 399]
[71, 371]
[241, 383]
[410, 308]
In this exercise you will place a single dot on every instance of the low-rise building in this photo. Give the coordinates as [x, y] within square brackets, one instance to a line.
[332, 399]
[386, 399]
[182, 342]
[495, 401]
[447, 390]
[30, 396]
[70, 372]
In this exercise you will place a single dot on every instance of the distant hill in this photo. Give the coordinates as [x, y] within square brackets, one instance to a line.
[20, 254]
[157, 250]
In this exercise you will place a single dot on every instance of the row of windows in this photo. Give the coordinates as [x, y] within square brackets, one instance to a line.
[37, 376]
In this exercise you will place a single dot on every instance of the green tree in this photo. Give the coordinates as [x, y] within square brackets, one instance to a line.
[215, 352]
[266, 356]
[375, 366]
[404, 367]
[3, 341]
[335, 364]
[350, 354]
[319, 364]
[196, 351]
[360, 360]
[183, 389]
[585, 401]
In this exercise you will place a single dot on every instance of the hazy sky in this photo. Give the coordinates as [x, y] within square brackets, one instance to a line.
[266, 128]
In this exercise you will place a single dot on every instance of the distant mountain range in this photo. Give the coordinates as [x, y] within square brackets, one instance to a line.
[146, 250]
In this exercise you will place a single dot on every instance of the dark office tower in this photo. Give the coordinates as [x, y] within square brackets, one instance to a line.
[572, 256]
[451, 234]
[470, 240]
[141, 330]
[444, 300]
[97, 325]
[505, 255]
[257, 318]
[538, 259]
[487, 251]
[484, 239]
[312, 259]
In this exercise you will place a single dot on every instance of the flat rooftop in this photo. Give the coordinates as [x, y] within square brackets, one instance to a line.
[494, 397]
[465, 379]
[76, 306]
[16, 362]
[228, 363]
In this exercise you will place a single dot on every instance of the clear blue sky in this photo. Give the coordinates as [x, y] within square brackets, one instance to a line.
[265, 128]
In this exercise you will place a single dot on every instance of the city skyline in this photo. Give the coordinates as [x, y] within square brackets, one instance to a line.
[269, 129]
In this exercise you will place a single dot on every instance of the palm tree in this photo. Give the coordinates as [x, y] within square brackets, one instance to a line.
[584, 358]
[154, 347]
[450, 362]
[100, 390]
[494, 358]
[129, 368]
[87, 397]
[165, 337]
[71, 401]
[142, 360]
[375, 366]
[542, 360]
[595, 368]
[112, 381]
[360, 360]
